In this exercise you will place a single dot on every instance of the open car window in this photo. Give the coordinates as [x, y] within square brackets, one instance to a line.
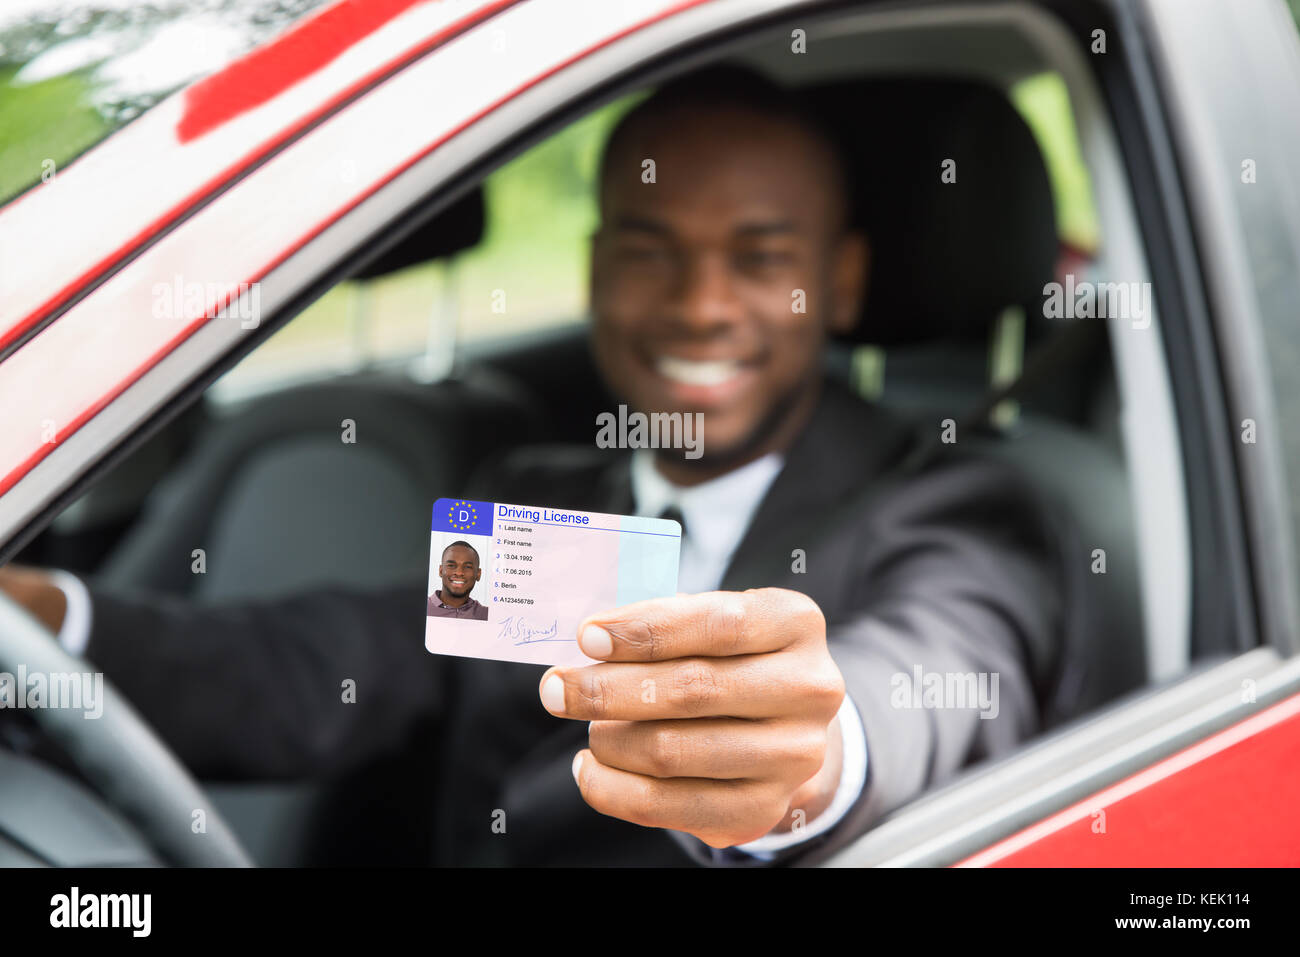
[530, 270]
[527, 274]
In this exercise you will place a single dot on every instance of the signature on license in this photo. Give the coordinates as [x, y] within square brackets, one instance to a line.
[522, 632]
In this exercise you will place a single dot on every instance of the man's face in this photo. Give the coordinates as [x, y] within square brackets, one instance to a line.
[714, 287]
[459, 571]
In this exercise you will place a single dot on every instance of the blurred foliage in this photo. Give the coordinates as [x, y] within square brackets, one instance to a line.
[28, 138]
[1044, 103]
[541, 212]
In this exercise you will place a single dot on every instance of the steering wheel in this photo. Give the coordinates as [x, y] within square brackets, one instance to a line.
[120, 754]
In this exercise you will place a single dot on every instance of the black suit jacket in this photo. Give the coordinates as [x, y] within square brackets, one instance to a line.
[954, 569]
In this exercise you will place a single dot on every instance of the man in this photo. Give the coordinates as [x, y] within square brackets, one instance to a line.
[815, 573]
[460, 571]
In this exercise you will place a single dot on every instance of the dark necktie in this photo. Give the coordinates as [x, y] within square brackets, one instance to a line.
[675, 514]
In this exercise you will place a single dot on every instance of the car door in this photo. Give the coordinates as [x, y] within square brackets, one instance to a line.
[1140, 783]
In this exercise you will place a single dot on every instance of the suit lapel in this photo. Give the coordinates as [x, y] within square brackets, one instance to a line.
[847, 444]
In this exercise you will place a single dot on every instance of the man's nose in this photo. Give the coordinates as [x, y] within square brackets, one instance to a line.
[707, 295]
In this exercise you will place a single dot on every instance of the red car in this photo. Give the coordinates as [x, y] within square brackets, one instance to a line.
[372, 141]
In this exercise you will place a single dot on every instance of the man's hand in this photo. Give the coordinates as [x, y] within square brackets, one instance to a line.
[33, 589]
[712, 714]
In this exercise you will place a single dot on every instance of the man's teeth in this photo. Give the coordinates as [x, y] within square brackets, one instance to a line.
[687, 372]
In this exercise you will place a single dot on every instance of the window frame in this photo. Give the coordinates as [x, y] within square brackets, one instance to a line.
[1217, 243]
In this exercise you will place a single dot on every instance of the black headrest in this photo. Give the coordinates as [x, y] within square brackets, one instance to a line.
[947, 258]
[456, 228]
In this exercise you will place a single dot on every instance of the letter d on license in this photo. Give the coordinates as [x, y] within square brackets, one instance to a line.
[464, 517]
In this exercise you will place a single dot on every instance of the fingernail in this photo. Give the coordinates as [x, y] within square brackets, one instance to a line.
[595, 642]
[577, 765]
[553, 694]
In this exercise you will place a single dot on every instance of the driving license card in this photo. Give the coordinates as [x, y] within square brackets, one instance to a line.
[513, 582]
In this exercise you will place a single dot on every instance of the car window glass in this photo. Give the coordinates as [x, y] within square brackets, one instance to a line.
[74, 71]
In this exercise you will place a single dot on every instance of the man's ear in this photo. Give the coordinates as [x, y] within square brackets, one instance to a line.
[852, 269]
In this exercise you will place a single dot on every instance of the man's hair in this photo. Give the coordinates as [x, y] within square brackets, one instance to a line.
[729, 86]
[477, 560]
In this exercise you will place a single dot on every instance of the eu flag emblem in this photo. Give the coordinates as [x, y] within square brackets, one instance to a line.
[462, 515]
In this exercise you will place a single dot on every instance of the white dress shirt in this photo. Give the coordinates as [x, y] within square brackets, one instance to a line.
[716, 514]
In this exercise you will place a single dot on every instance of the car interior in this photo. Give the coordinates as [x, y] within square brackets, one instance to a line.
[958, 273]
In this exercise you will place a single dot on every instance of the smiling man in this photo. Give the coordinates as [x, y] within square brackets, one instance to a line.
[814, 569]
[460, 571]
[697, 277]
